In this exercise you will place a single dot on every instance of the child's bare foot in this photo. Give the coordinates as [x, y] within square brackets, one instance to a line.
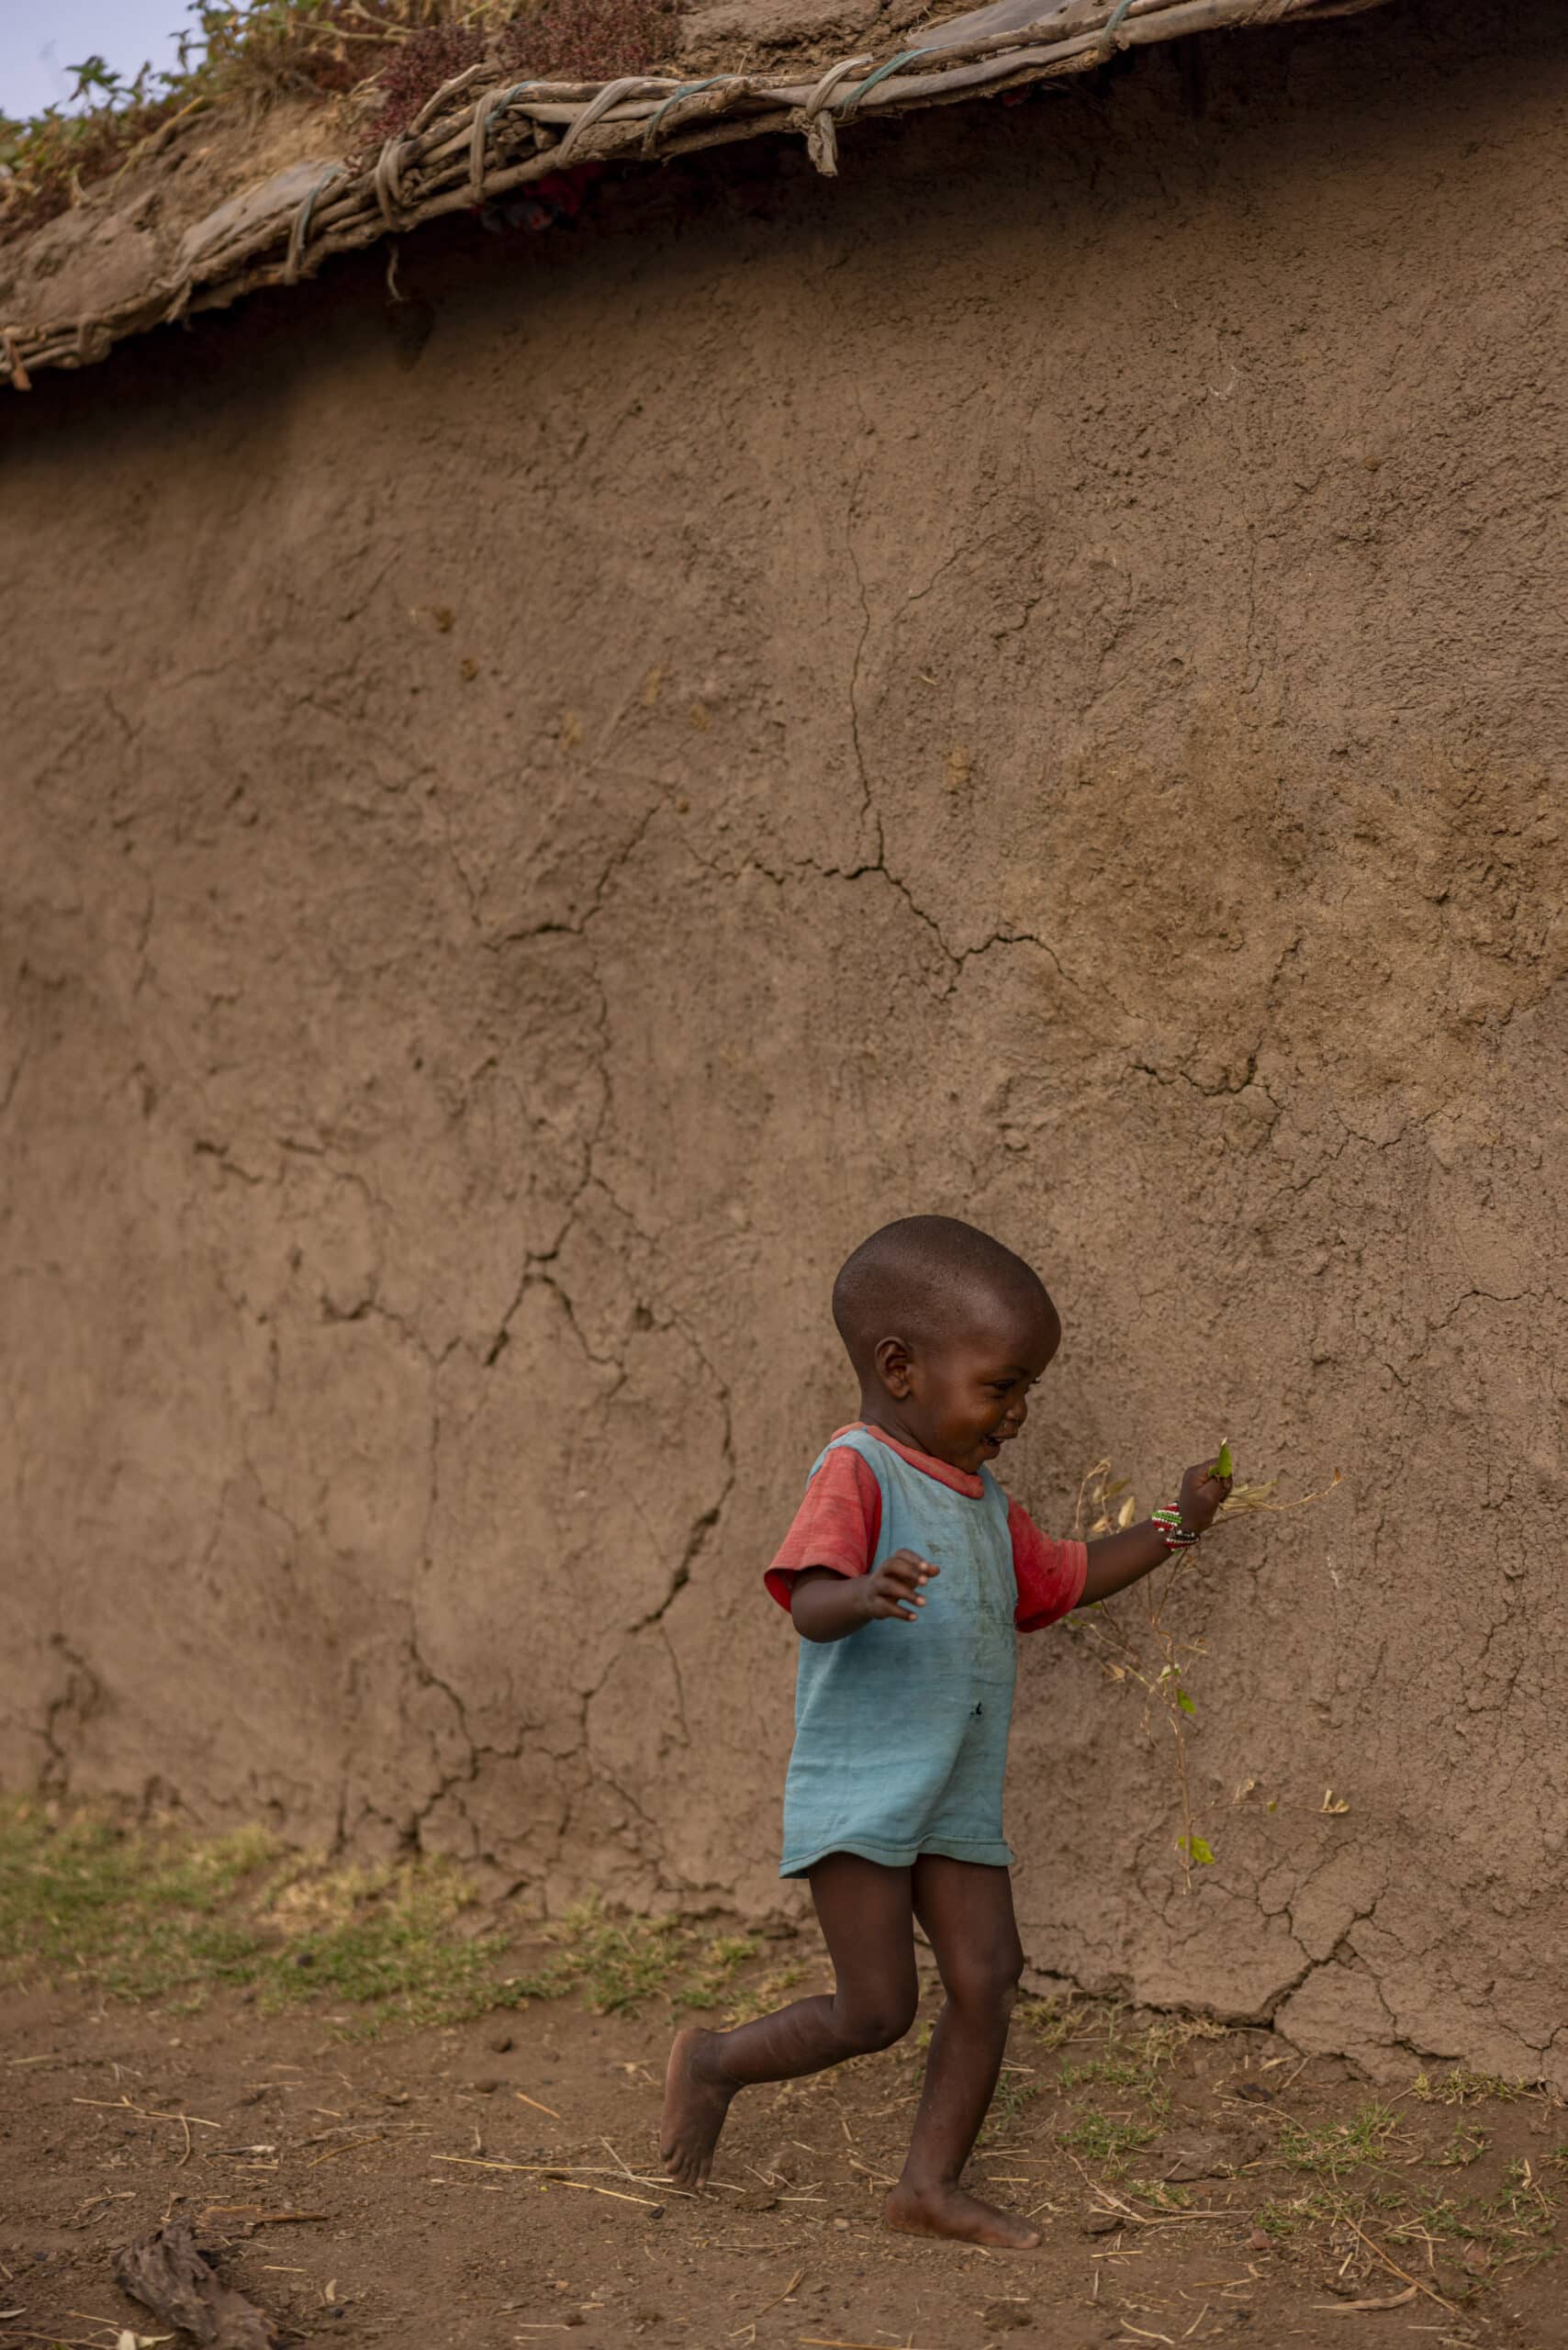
[948, 2212]
[697, 2098]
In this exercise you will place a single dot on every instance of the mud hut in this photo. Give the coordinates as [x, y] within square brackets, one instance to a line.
[978, 624]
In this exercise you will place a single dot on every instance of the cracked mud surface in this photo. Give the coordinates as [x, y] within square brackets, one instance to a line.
[410, 2236]
[1025, 682]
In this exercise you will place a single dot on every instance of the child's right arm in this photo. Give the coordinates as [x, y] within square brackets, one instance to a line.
[826, 1605]
[1117, 1560]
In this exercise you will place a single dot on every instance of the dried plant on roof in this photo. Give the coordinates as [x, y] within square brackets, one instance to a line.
[251, 54]
[569, 40]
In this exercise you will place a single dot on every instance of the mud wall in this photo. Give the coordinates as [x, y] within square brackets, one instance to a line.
[1027, 681]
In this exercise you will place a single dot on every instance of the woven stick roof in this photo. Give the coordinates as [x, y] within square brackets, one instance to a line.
[479, 136]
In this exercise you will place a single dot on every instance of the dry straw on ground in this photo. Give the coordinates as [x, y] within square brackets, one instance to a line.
[482, 134]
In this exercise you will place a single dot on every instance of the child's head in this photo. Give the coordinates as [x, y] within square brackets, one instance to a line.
[947, 1331]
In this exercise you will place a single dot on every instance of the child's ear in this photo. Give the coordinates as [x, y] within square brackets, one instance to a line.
[892, 1365]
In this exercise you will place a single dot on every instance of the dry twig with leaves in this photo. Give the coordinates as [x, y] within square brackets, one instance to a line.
[1154, 1656]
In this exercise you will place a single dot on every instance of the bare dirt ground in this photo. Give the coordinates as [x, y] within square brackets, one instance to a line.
[495, 2183]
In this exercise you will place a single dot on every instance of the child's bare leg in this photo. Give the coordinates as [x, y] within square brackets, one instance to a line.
[867, 1921]
[967, 1912]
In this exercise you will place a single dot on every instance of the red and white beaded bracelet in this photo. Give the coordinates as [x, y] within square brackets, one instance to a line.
[1172, 1533]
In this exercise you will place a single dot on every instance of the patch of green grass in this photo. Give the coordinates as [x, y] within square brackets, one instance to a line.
[768, 1992]
[1053, 2021]
[714, 1973]
[919, 2042]
[1340, 2146]
[1125, 2058]
[1116, 2056]
[1478, 2241]
[1466, 2145]
[1289, 2217]
[383, 1941]
[1167, 2036]
[619, 1962]
[1014, 2090]
[1132, 2063]
[1462, 2086]
[141, 1914]
[1120, 2068]
[1523, 2205]
[1432, 2216]
[1108, 2141]
[149, 1913]
[1515, 2229]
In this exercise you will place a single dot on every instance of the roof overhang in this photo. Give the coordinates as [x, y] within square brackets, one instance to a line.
[104, 271]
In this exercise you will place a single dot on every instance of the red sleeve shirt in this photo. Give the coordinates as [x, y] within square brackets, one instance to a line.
[840, 1521]
[837, 1524]
[1050, 1574]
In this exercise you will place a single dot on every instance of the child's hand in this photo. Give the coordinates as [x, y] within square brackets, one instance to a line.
[894, 1589]
[1201, 1493]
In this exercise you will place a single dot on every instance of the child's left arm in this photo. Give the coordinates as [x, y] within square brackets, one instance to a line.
[1118, 1560]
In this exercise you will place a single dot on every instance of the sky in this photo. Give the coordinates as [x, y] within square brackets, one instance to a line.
[39, 39]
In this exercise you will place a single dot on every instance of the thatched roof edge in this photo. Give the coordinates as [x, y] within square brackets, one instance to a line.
[477, 139]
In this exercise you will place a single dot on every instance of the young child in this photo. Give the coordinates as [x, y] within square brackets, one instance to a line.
[908, 1571]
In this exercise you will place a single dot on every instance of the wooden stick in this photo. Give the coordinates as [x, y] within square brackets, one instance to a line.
[773, 2304]
[56, 2341]
[1403, 2273]
[253, 2213]
[561, 2172]
[585, 2187]
[353, 2147]
[478, 2162]
[1345, 2309]
[124, 2105]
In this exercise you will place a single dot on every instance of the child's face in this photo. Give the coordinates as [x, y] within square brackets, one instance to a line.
[965, 1396]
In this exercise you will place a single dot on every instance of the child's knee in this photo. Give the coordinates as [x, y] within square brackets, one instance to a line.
[877, 2023]
[1002, 1988]
[988, 1979]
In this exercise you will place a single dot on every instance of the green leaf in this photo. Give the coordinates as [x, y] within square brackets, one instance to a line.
[1223, 1465]
[1185, 1702]
[1195, 1849]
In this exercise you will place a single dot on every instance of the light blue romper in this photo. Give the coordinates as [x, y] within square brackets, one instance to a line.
[901, 1730]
